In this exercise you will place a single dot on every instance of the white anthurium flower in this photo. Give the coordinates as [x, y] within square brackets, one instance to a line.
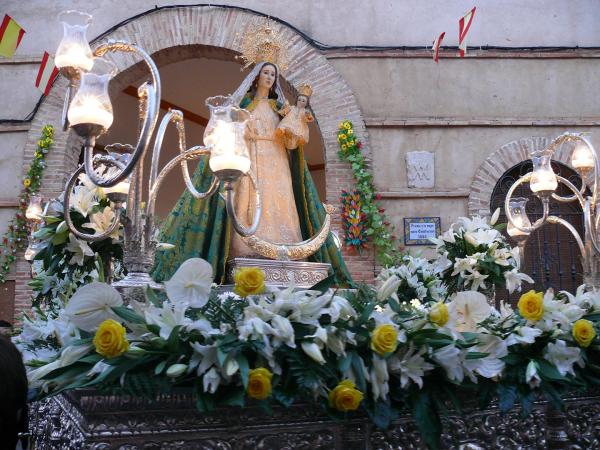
[450, 359]
[531, 375]
[80, 250]
[167, 317]
[379, 378]
[91, 305]
[410, 366]
[203, 358]
[83, 200]
[467, 309]
[523, 335]
[101, 222]
[482, 237]
[191, 283]
[495, 217]
[563, 356]
[389, 287]
[283, 331]
[211, 381]
[514, 278]
[313, 350]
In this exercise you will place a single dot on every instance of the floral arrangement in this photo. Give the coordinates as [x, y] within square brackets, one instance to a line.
[64, 262]
[378, 228]
[353, 220]
[15, 238]
[474, 255]
[365, 350]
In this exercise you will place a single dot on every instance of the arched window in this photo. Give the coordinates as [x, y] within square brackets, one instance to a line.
[552, 256]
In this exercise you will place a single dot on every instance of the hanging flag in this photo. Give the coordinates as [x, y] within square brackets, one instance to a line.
[436, 45]
[463, 28]
[46, 75]
[11, 34]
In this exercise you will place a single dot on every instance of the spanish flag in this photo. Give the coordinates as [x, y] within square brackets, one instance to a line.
[11, 34]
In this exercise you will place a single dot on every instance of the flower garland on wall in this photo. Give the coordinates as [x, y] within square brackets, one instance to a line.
[15, 238]
[353, 220]
[377, 227]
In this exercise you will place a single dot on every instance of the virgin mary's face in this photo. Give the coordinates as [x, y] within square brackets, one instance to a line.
[267, 76]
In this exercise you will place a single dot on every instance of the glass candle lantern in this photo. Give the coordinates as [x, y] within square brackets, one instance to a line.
[582, 157]
[543, 178]
[91, 104]
[74, 50]
[225, 134]
[34, 209]
[519, 216]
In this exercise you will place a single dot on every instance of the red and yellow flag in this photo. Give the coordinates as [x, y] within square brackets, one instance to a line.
[11, 34]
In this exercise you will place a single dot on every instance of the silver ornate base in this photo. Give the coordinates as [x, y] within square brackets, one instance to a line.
[133, 286]
[282, 273]
[89, 420]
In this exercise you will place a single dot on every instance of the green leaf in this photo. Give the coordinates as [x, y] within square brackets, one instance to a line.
[345, 362]
[160, 367]
[236, 397]
[382, 414]
[358, 372]
[128, 315]
[507, 396]
[426, 418]
[548, 371]
[476, 355]
[244, 368]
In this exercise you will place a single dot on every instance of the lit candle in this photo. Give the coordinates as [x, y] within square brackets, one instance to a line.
[582, 157]
[74, 55]
[90, 109]
[543, 180]
[224, 140]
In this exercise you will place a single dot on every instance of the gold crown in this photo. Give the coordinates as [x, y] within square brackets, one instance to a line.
[305, 89]
[262, 43]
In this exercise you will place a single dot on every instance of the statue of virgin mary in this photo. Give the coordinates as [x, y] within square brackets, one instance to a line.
[291, 209]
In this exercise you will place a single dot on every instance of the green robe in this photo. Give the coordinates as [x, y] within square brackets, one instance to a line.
[201, 228]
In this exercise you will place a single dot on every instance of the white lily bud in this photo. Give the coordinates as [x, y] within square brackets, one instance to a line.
[313, 350]
[389, 287]
[495, 216]
[135, 351]
[531, 375]
[176, 370]
[61, 227]
[231, 366]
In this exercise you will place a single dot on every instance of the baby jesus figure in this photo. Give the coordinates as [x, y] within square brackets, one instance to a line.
[293, 128]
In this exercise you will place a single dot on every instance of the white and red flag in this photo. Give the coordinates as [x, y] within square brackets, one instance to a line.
[463, 28]
[436, 45]
[46, 75]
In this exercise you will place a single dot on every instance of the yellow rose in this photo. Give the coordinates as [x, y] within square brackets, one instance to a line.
[350, 132]
[347, 125]
[384, 339]
[259, 383]
[345, 397]
[583, 332]
[26, 182]
[110, 340]
[344, 146]
[531, 305]
[249, 281]
[439, 314]
[343, 136]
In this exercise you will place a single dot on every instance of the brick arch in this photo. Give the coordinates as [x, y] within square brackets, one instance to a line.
[220, 30]
[500, 161]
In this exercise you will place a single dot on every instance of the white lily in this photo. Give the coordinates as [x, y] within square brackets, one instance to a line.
[211, 381]
[523, 335]
[482, 237]
[101, 222]
[450, 358]
[82, 200]
[167, 317]
[80, 250]
[283, 331]
[563, 356]
[490, 366]
[72, 353]
[389, 287]
[203, 358]
[514, 278]
[191, 283]
[91, 305]
[410, 366]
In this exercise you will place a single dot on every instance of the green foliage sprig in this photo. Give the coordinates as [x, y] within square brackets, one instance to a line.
[378, 228]
[15, 238]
